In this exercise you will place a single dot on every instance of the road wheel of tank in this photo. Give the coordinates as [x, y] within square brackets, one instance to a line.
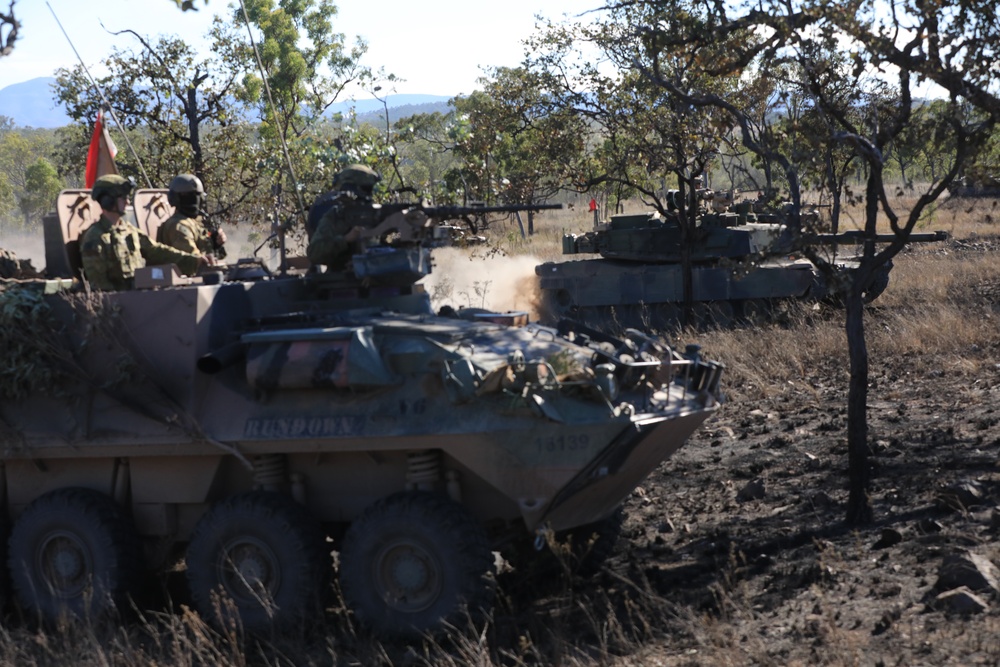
[755, 312]
[260, 561]
[73, 552]
[416, 563]
[667, 316]
[713, 314]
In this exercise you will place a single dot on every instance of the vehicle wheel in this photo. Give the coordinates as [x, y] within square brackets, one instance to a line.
[415, 563]
[755, 312]
[713, 315]
[668, 317]
[73, 552]
[258, 560]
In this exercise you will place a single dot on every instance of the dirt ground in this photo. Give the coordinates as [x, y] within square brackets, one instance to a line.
[777, 562]
[736, 552]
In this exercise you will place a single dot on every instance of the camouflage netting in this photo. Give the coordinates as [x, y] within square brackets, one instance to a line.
[33, 356]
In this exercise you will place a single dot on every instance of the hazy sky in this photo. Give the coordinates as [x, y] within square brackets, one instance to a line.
[438, 46]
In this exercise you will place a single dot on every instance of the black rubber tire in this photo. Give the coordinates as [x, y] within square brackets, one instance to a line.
[259, 561]
[74, 553]
[435, 543]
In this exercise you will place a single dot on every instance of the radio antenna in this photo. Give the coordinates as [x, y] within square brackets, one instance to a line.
[104, 100]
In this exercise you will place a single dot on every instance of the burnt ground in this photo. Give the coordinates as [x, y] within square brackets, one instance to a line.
[746, 525]
[736, 551]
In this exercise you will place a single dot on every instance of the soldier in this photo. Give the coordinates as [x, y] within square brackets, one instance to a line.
[350, 211]
[112, 249]
[185, 229]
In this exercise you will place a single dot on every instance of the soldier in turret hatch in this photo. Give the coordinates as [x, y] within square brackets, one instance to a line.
[112, 249]
[342, 215]
[185, 229]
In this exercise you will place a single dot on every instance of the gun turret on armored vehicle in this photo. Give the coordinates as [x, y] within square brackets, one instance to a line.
[239, 422]
[744, 262]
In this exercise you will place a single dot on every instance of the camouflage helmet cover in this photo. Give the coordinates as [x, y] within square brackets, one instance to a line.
[111, 185]
[357, 175]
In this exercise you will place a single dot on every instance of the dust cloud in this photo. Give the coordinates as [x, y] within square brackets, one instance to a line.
[25, 245]
[464, 279]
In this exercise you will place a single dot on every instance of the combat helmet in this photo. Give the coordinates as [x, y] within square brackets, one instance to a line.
[356, 177]
[110, 187]
[186, 193]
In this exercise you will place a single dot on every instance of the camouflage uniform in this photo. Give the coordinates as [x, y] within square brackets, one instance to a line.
[112, 252]
[350, 206]
[186, 229]
[187, 233]
[328, 245]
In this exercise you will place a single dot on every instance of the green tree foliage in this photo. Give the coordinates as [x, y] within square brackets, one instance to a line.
[862, 106]
[25, 172]
[178, 112]
[426, 159]
[516, 143]
[41, 185]
[211, 115]
[307, 66]
[639, 139]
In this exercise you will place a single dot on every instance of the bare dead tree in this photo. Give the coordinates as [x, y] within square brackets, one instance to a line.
[9, 25]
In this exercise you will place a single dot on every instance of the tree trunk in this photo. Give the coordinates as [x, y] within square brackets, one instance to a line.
[194, 129]
[859, 509]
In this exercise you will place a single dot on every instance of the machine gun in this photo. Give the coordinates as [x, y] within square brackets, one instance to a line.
[375, 214]
[401, 223]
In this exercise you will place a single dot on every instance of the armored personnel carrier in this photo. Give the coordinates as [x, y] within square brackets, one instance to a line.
[745, 263]
[241, 421]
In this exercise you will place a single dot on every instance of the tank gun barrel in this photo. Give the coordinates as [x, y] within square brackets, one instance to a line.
[857, 236]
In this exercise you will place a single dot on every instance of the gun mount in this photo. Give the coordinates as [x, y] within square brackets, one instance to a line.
[744, 264]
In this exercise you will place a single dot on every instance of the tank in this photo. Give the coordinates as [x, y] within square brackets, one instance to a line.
[249, 423]
[745, 264]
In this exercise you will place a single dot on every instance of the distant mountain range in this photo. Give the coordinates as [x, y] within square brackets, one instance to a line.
[32, 104]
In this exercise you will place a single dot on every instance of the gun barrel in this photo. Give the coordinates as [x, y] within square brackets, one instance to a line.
[857, 236]
[446, 211]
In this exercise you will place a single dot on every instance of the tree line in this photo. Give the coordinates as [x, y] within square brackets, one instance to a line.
[590, 110]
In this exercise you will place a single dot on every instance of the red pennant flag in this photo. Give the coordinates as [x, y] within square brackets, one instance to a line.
[101, 155]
